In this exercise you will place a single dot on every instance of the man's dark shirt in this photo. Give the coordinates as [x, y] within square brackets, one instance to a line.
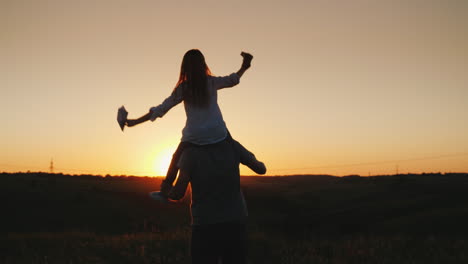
[213, 172]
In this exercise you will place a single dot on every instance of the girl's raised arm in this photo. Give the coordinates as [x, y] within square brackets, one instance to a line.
[233, 79]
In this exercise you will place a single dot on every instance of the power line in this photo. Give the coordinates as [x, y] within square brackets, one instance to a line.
[336, 166]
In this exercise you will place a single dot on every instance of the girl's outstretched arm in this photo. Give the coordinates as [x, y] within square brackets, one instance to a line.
[134, 122]
[158, 111]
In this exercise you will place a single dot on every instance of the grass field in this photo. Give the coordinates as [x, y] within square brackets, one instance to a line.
[54, 218]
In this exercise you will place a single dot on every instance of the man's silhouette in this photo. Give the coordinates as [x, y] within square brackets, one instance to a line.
[218, 207]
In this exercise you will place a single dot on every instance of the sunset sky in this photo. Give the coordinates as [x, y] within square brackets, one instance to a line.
[336, 87]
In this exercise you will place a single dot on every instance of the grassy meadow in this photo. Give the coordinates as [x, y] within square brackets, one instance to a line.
[55, 218]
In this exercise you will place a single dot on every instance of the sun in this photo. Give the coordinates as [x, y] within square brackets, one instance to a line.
[162, 161]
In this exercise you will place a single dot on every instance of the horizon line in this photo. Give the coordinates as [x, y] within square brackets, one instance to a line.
[254, 175]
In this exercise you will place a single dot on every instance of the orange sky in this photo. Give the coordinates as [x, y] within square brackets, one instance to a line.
[336, 87]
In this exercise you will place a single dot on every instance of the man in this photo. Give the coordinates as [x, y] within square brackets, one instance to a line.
[218, 208]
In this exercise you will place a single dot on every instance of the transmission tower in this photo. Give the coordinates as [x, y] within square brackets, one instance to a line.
[51, 167]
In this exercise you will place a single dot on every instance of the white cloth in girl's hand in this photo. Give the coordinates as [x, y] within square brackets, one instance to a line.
[122, 117]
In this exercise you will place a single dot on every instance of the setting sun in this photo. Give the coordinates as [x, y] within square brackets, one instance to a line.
[162, 161]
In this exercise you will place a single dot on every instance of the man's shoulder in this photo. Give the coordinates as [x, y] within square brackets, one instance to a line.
[221, 152]
[222, 148]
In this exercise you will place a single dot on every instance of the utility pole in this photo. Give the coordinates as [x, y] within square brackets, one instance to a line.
[51, 167]
[397, 169]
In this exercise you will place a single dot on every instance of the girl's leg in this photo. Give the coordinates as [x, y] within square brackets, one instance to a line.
[171, 174]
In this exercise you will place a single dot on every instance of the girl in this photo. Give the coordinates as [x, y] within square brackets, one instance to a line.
[197, 88]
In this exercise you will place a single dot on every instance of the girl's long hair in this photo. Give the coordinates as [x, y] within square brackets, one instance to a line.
[193, 78]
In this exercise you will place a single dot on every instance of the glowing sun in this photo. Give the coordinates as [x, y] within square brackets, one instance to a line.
[162, 161]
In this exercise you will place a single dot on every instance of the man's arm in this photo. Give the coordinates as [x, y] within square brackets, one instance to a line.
[248, 159]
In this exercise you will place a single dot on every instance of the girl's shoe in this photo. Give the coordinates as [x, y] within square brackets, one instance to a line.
[158, 197]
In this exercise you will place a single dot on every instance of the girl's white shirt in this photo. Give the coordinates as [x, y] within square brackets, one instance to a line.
[204, 125]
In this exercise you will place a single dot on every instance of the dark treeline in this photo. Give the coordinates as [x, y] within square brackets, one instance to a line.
[298, 205]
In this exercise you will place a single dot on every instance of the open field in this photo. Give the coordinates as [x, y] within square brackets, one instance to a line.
[54, 218]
